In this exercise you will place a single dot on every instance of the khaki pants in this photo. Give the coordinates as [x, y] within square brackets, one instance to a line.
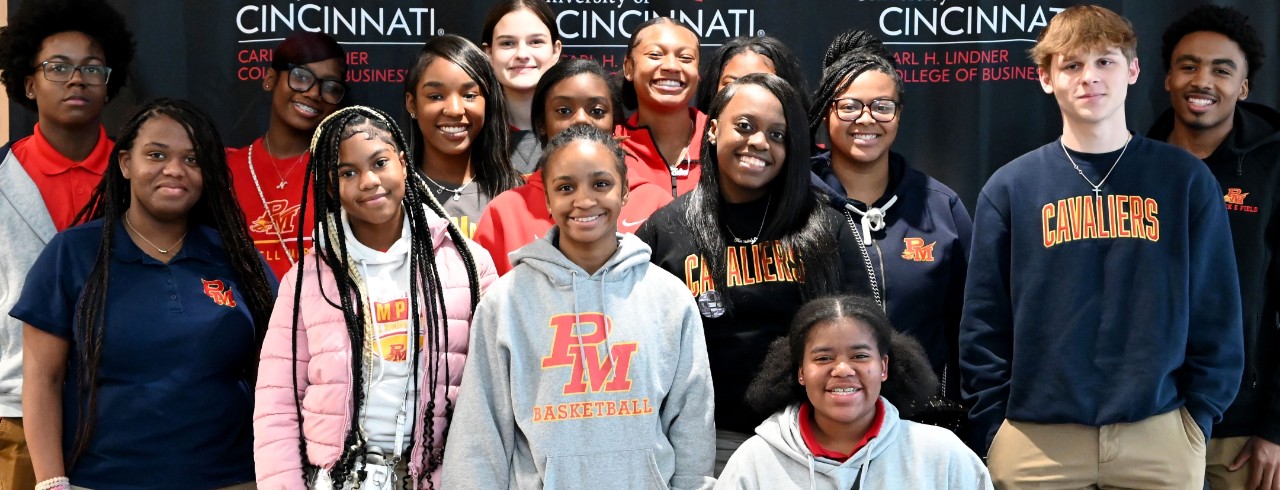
[1165, 451]
[1222, 452]
[15, 461]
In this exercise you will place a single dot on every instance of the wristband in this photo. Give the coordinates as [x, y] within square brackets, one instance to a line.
[56, 483]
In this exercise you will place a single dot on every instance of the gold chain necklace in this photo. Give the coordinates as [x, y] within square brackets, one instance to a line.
[266, 207]
[272, 159]
[163, 251]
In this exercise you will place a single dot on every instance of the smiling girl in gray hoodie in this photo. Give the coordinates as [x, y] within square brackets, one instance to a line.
[588, 365]
[832, 428]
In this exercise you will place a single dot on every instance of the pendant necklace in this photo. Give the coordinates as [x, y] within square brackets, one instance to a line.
[1097, 188]
[754, 239]
[163, 251]
[457, 193]
[266, 208]
[270, 158]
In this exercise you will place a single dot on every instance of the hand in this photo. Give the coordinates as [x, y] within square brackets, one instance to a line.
[1263, 457]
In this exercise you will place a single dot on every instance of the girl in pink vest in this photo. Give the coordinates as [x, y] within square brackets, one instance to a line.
[392, 285]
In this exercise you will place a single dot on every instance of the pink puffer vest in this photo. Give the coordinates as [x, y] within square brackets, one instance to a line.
[324, 368]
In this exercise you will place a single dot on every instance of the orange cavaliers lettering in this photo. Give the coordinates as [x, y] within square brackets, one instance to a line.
[1091, 217]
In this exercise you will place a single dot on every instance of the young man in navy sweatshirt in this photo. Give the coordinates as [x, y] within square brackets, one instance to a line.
[1101, 332]
[1211, 55]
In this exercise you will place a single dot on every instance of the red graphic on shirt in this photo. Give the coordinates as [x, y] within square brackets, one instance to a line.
[916, 250]
[1235, 196]
[1235, 201]
[279, 214]
[589, 373]
[218, 290]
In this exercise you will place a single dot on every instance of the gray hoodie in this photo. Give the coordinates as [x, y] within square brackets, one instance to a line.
[553, 398]
[905, 455]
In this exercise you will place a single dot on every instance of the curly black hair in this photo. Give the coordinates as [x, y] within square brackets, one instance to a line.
[20, 41]
[1222, 20]
[911, 379]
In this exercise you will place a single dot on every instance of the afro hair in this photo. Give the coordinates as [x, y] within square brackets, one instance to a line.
[1223, 20]
[35, 21]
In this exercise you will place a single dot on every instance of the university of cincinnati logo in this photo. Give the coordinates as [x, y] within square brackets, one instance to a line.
[590, 371]
[1235, 201]
[219, 292]
[278, 214]
[915, 250]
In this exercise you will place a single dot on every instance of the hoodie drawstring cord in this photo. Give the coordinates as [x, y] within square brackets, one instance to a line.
[577, 316]
[604, 311]
[872, 218]
[812, 480]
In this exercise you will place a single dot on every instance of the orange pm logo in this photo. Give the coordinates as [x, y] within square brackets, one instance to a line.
[917, 251]
[218, 290]
[1235, 196]
[278, 217]
[590, 372]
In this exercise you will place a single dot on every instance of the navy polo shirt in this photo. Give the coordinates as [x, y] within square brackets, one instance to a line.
[175, 396]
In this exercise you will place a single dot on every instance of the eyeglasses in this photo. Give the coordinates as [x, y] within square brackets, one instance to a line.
[850, 109]
[57, 71]
[301, 80]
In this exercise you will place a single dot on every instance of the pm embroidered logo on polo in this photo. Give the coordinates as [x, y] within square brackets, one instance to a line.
[1235, 201]
[219, 292]
[916, 251]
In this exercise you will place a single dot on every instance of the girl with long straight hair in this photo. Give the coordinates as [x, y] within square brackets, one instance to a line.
[522, 41]
[916, 229]
[365, 350]
[143, 322]
[306, 84]
[462, 137]
[752, 241]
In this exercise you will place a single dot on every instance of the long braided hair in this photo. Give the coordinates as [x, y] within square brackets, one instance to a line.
[216, 208]
[850, 54]
[426, 291]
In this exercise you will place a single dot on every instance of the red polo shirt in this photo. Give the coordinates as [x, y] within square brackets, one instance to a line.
[65, 184]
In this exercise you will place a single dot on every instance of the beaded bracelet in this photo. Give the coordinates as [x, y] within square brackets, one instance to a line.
[56, 483]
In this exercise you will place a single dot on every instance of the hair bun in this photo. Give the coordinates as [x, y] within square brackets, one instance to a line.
[854, 41]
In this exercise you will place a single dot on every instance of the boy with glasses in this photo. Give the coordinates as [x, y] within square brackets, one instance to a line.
[64, 60]
[1101, 331]
[1211, 55]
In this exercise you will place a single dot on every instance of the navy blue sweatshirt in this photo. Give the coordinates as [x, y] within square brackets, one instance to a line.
[1105, 310]
[1247, 166]
[919, 257]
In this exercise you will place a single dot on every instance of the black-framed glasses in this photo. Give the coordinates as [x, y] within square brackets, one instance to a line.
[57, 71]
[301, 80]
[850, 109]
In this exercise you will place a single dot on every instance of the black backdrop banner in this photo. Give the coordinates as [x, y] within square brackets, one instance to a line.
[972, 101]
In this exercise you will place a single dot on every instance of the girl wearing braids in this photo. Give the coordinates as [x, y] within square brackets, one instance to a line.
[392, 284]
[915, 228]
[142, 324]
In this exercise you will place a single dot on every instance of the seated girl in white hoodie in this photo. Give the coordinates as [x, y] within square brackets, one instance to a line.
[832, 428]
[588, 366]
